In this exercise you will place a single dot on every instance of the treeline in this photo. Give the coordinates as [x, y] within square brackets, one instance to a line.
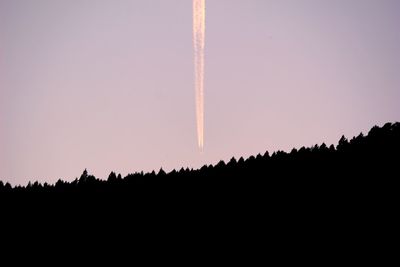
[362, 160]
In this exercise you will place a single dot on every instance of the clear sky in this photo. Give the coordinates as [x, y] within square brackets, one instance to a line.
[109, 85]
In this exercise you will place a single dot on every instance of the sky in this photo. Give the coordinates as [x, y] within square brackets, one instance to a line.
[108, 85]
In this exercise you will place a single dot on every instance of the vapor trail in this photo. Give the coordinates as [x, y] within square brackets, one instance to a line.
[199, 27]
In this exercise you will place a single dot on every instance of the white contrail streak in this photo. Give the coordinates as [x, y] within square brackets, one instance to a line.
[199, 27]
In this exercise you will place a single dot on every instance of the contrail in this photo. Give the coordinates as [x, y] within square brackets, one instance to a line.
[199, 27]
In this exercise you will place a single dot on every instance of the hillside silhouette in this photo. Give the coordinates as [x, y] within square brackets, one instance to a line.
[343, 196]
[362, 161]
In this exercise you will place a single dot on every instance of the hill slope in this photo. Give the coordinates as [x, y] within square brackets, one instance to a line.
[352, 163]
[327, 193]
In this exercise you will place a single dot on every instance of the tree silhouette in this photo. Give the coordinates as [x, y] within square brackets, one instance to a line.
[364, 160]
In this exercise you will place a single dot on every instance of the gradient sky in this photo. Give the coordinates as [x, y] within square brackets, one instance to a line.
[109, 85]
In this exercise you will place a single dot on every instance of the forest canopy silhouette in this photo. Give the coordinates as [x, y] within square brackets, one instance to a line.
[361, 159]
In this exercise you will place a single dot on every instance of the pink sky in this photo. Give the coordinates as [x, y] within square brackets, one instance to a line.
[109, 85]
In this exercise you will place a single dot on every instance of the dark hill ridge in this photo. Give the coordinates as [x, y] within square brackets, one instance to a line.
[344, 196]
[361, 161]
